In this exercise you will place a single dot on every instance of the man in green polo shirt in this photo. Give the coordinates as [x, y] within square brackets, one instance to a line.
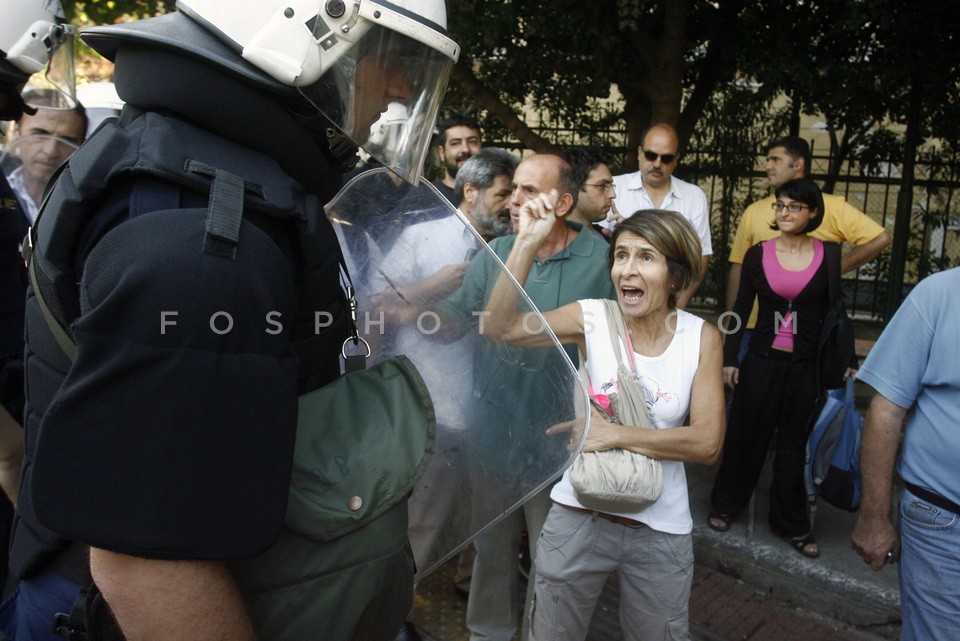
[571, 266]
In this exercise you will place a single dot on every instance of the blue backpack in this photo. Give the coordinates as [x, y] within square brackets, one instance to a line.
[832, 470]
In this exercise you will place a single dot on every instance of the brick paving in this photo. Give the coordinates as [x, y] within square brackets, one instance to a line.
[721, 609]
[724, 608]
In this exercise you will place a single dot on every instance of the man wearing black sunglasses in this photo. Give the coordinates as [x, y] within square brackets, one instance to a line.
[655, 187]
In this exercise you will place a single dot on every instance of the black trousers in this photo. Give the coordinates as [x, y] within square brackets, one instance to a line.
[776, 395]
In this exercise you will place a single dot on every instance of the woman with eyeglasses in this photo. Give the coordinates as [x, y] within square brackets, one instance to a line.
[776, 385]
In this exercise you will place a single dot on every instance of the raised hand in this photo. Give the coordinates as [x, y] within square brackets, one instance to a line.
[537, 217]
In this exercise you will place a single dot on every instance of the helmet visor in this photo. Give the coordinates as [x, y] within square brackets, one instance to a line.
[384, 93]
[55, 86]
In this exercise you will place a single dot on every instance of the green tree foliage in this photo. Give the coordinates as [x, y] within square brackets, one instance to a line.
[666, 58]
[853, 62]
[90, 66]
[110, 11]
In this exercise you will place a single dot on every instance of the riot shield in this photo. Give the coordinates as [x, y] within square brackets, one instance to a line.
[422, 276]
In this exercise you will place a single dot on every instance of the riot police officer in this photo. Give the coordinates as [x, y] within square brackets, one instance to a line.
[185, 254]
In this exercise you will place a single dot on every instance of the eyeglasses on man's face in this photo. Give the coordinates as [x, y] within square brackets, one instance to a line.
[604, 185]
[793, 208]
[666, 159]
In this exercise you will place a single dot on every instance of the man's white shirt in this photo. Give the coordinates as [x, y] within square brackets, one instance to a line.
[684, 198]
[19, 186]
[421, 251]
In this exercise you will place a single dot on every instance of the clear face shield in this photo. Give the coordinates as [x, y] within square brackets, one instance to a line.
[384, 93]
[47, 52]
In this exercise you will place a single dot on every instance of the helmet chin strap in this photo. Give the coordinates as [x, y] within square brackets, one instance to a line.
[343, 149]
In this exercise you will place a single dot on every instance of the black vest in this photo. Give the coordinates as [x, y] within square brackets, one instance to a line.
[178, 167]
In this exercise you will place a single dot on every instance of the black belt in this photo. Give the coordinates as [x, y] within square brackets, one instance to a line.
[613, 518]
[933, 497]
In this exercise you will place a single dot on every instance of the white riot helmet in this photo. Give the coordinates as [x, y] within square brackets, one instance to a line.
[34, 36]
[351, 59]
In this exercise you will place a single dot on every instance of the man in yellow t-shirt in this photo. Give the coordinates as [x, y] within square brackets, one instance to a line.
[789, 158]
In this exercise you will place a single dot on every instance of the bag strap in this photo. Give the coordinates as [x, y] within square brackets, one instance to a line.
[618, 329]
[585, 376]
[831, 254]
[849, 400]
[635, 410]
[63, 338]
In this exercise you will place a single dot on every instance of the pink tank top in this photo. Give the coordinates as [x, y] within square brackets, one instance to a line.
[788, 284]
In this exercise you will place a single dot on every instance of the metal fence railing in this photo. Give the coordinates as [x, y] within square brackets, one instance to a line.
[934, 243]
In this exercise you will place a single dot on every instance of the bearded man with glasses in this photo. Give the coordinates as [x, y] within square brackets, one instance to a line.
[655, 187]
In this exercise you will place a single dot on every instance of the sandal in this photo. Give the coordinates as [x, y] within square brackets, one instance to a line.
[719, 522]
[805, 545]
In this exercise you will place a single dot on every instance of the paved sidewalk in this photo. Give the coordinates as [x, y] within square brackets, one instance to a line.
[837, 585]
[748, 585]
[721, 609]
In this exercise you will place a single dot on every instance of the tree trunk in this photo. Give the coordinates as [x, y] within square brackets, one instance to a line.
[795, 120]
[636, 115]
[655, 96]
[488, 100]
[716, 68]
[665, 77]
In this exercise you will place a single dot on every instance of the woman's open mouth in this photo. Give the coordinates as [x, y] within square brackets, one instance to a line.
[631, 295]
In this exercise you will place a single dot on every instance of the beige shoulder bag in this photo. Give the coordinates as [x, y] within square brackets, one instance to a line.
[618, 480]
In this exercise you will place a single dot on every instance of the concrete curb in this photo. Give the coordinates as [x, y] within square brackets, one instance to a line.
[807, 583]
